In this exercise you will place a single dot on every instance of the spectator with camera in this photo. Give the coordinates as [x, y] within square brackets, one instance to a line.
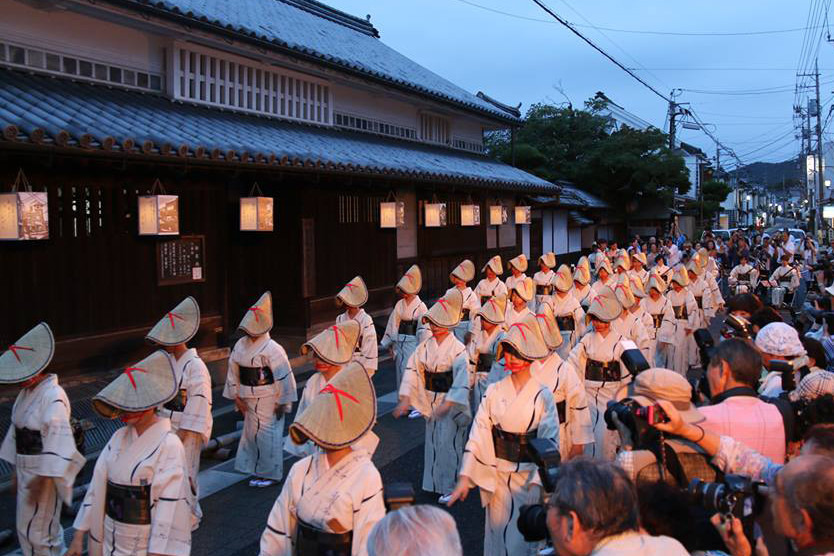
[783, 355]
[593, 510]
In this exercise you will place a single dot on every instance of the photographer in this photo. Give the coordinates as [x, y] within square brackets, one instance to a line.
[744, 305]
[593, 510]
[779, 342]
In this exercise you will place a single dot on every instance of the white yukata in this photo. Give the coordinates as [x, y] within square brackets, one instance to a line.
[505, 485]
[445, 436]
[679, 361]
[43, 409]
[193, 377]
[582, 295]
[662, 329]
[570, 399]
[543, 279]
[404, 344]
[642, 275]
[568, 307]
[705, 311]
[599, 284]
[711, 276]
[511, 316]
[604, 350]
[632, 327]
[785, 277]
[484, 343]
[155, 459]
[260, 450]
[470, 307]
[315, 493]
[513, 280]
[490, 288]
[367, 348]
[750, 281]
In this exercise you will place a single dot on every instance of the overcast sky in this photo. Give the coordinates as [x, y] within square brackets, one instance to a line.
[519, 60]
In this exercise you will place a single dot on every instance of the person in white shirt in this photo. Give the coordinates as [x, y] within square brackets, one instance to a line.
[460, 277]
[784, 281]
[638, 266]
[491, 286]
[484, 347]
[605, 278]
[543, 278]
[353, 297]
[744, 277]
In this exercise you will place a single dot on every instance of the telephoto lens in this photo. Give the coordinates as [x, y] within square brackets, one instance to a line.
[532, 522]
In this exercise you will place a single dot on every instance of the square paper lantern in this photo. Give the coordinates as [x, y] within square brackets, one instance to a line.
[498, 215]
[435, 215]
[470, 215]
[159, 215]
[522, 215]
[256, 214]
[24, 216]
[392, 214]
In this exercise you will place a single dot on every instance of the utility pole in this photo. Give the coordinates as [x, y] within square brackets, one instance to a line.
[673, 112]
[819, 173]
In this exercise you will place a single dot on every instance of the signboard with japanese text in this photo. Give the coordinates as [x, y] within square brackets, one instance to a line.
[181, 261]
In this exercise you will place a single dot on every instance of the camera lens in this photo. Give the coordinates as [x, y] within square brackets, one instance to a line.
[532, 522]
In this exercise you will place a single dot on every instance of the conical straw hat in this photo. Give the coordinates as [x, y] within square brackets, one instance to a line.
[354, 294]
[640, 257]
[525, 288]
[341, 413]
[144, 385]
[694, 267]
[519, 263]
[582, 274]
[623, 292]
[258, 318]
[446, 312]
[623, 261]
[336, 344]
[526, 337]
[584, 262]
[603, 263]
[549, 259]
[703, 258]
[549, 327]
[28, 356]
[178, 326]
[495, 264]
[464, 271]
[680, 276]
[412, 281]
[562, 279]
[656, 283]
[637, 287]
[494, 309]
[605, 306]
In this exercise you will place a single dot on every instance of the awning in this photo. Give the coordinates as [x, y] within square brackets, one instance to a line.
[576, 219]
[48, 111]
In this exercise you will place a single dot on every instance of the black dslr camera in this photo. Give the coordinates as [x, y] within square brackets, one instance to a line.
[738, 496]
[637, 419]
[532, 518]
[737, 327]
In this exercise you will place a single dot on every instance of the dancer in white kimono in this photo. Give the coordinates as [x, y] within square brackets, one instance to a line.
[353, 297]
[709, 271]
[543, 279]
[569, 313]
[262, 385]
[662, 318]
[436, 383]
[784, 281]
[704, 306]
[582, 283]
[686, 314]
[404, 332]
[332, 349]
[622, 264]
[460, 278]
[492, 285]
[497, 458]
[629, 323]
[597, 361]
[518, 267]
[39, 443]
[190, 410]
[483, 347]
[521, 294]
[575, 430]
[744, 277]
[605, 278]
[638, 267]
[660, 268]
[333, 498]
[137, 501]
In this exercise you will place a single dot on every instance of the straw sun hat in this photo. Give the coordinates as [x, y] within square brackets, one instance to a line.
[494, 309]
[446, 312]
[258, 318]
[549, 259]
[412, 281]
[354, 294]
[623, 292]
[177, 326]
[526, 338]
[582, 274]
[680, 276]
[549, 327]
[336, 344]
[495, 264]
[28, 356]
[563, 280]
[464, 271]
[519, 263]
[605, 306]
[144, 385]
[524, 288]
[341, 413]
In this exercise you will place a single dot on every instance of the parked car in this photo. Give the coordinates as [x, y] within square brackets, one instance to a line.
[795, 232]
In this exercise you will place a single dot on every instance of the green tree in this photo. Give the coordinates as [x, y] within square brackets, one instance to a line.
[714, 193]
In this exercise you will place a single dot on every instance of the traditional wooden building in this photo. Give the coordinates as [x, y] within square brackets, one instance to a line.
[103, 102]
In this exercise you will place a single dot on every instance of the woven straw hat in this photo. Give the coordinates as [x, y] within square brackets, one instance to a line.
[680, 276]
[549, 259]
[178, 326]
[336, 344]
[519, 263]
[525, 288]
[562, 279]
[703, 258]
[640, 258]
[494, 309]
[582, 274]
[637, 287]
[605, 306]
[623, 261]
[657, 283]
[623, 292]
[354, 294]
[341, 413]
[549, 328]
[144, 385]
[464, 271]
[495, 264]
[258, 318]
[446, 312]
[584, 262]
[412, 281]
[603, 263]
[28, 356]
[526, 337]
[693, 266]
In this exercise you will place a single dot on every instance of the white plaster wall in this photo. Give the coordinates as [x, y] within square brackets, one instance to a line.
[574, 239]
[407, 234]
[560, 232]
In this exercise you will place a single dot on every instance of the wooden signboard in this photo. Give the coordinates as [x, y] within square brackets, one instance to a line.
[181, 260]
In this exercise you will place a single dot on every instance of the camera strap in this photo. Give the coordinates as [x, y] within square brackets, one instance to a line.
[667, 460]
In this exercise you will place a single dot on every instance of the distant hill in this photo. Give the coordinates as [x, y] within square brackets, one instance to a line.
[771, 173]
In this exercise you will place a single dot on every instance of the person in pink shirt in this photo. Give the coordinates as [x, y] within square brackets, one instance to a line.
[736, 410]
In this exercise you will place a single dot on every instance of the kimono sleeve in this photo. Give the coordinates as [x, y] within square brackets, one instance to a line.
[666, 334]
[90, 516]
[391, 329]
[369, 510]
[496, 371]
[196, 416]
[548, 426]
[231, 389]
[278, 537]
[369, 349]
[576, 361]
[412, 384]
[459, 392]
[285, 386]
[8, 450]
[579, 321]
[170, 514]
[692, 310]
[60, 458]
[478, 462]
[579, 420]
[754, 277]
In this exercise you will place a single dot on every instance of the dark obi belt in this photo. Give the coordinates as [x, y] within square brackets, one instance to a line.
[699, 301]
[464, 314]
[28, 442]
[658, 320]
[602, 372]
[256, 376]
[485, 361]
[177, 403]
[561, 409]
[680, 312]
[512, 446]
[408, 328]
[315, 542]
[544, 290]
[743, 278]
[566, 323]
[128, 503]
[440, 382]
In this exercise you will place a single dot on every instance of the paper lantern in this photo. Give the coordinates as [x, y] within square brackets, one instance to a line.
[498, 215]
[159, 215]
[391, 214]
[470, 215]
[24, 215]
[522, 215]
[435, 215]
[256, 214]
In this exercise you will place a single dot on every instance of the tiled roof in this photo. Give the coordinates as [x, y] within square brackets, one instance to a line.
[586, 199]
[312, 29]
[45, 110]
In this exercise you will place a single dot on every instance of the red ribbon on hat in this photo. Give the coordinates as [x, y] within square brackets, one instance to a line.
[351, 286]
[255, 310]
[13, 348]
[443, 303]
[411, 279]
[330, 389]
[545, 319]
[129, 373]
[521, 326]
[491, 301]
[172, 316]
[336, 331]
